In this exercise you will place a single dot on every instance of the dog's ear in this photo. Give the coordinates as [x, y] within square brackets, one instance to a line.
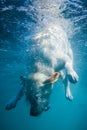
[54, 77]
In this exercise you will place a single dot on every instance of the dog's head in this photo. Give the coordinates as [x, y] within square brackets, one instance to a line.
[38, 91]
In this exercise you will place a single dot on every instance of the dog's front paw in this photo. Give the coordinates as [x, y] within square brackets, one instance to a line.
[10, 105]
[69, 96]
[72, 76]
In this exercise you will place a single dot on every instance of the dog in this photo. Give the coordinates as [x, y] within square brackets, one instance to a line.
[50, 58]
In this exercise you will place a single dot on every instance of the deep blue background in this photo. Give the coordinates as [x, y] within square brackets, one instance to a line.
[15, 26]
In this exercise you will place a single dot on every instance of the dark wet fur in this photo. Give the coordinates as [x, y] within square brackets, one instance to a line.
[39, 99]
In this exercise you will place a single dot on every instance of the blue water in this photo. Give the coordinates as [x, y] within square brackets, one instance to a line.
[17, 22]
